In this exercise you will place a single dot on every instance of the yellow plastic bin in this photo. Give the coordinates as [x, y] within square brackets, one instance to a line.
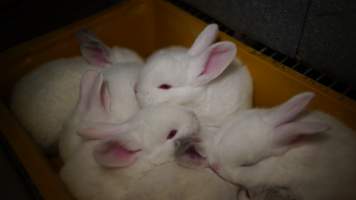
[143, 25]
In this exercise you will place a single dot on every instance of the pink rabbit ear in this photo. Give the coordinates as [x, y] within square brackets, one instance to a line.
[286, 135]
[86, 84]
[291, 132]
[212, 62]
[291, 109]
[114, 153]
[93, 50]
[204, 40]
[287, 129]
[94, 97]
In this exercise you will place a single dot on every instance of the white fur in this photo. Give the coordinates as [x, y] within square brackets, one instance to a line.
[321, 167]
[43, 99]
[153, 174]
[213, 96]
[122, 104]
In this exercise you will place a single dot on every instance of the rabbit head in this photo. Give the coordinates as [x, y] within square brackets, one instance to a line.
[151, 135]
[252, 137]
[178, 75]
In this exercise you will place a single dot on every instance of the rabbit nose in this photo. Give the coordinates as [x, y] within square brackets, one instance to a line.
[186, 141]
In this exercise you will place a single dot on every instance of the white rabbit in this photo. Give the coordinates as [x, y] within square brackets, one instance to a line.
[136, 159]
[287, 153]
[44, 98]
[206, 78]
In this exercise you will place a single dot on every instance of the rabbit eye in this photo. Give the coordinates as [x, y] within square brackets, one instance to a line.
[165, 86]
[171, 134]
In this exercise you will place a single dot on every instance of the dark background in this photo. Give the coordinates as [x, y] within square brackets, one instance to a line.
[24, 19]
